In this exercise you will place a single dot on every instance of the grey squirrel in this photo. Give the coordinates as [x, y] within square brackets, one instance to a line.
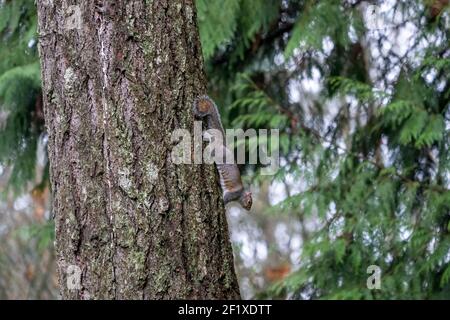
[230, 177]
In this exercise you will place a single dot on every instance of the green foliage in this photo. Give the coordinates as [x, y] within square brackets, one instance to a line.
[412, 113]
[363, 91]
[376, 175]
[220, 22]
[19, 90]
[43, 234]
[217, 23]
[260, 109]
[18, 23]
[322, 19]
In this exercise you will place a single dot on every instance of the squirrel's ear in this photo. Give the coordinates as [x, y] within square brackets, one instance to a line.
[203, 106]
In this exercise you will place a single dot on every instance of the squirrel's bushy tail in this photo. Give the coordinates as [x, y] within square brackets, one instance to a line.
[203, 106]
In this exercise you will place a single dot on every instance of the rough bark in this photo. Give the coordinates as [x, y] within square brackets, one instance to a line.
[137, 225]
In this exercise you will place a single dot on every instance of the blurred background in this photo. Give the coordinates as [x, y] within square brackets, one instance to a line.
[360, 92]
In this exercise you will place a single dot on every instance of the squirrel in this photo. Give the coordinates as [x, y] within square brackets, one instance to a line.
[230, 177]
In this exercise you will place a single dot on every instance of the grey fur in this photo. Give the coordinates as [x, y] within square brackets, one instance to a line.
[231, 170]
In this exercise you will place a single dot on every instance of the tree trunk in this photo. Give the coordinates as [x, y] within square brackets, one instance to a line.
[116, 83]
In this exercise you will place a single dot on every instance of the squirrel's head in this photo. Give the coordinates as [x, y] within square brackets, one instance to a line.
[246, 200]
